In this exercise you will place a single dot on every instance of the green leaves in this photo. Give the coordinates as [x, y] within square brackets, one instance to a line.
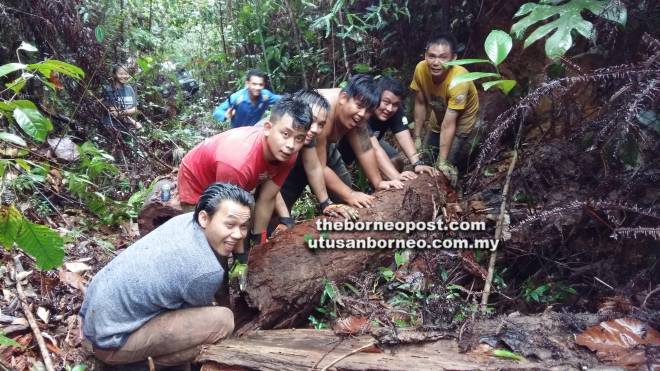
[460, 62]
[471, 76]
[569, 20]
[8, 68]
[39, 241]
[503, 353]
[51, 65]
[12, 138]
[33, 122]
[497, 46]
[99, 33]
[504, 85]
[4, 340]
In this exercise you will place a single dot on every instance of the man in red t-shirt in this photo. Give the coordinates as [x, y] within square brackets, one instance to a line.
[249, 157]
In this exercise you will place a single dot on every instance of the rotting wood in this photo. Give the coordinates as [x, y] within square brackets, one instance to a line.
[285, 276]
[300, 349]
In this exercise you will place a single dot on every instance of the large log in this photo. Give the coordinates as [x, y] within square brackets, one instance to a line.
[316, 349]
[285, 276]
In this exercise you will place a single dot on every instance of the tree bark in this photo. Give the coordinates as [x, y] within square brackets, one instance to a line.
[305, 349]
[285, 276]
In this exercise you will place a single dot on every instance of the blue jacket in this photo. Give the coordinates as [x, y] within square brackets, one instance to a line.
[247, 114]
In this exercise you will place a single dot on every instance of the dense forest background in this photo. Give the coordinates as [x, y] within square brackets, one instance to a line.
[576, 141]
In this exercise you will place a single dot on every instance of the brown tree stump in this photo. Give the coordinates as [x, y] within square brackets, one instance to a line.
[154, 211]
[285, 276]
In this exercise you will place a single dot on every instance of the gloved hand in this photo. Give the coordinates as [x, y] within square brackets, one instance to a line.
[449, 171]
[239, 271]
[239, 268]
[341, 210]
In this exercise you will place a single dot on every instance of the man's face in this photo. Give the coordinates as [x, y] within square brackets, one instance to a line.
[436, 55]
[227, 228]
[352, 112]
[389, 105]
[318, 122]
[255, 85]
[283, 139]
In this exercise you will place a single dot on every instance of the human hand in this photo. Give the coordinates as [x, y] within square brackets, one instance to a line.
[360, 200]
[407, 175]
[341, 210]
[420, 169]
[449, 171]
[388, 184]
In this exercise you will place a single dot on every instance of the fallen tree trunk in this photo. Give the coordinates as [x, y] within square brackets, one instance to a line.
[285, 276]
[321, 349]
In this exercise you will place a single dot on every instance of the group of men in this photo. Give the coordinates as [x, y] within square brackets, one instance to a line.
[309, 138]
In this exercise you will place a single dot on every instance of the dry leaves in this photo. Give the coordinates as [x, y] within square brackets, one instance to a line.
[352, 325]
[621, 341]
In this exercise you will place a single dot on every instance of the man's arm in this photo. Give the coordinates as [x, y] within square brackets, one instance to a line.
[314, 171]
[264, 206]
[405, 141]
[361, 144]
[447, 131]
[335, 184]
[220, 112]
[419, 114]
[385, 165]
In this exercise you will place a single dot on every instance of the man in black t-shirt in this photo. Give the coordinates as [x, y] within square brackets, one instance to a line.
[389, 117]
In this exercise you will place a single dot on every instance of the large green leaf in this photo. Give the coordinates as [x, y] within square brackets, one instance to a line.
[497, 46]
[10, 223]
[504, 85]
[568, 18]
[42, 243]
[470, 76]
[10, 67]
[17, 85]
[460, 62]
[33, 123]
[52, 65]
[12, 138]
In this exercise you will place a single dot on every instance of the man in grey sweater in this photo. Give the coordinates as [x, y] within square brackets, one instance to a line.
[155, 299]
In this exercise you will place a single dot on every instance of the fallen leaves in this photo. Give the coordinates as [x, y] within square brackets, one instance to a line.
[621, 342]
[352, 325]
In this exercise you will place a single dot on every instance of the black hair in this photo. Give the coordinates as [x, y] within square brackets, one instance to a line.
[445, 38]
[257, 73]
[312, 98]
[363, 88]
[116, 67]
[300, 112]
[214, 194]
[391, 84]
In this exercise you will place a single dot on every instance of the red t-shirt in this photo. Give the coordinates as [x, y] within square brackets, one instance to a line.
[235, 156]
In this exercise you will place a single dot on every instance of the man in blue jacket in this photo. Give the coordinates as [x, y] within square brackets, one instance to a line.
[246, 106]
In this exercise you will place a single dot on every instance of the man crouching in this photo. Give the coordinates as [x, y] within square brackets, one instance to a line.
[156, 298]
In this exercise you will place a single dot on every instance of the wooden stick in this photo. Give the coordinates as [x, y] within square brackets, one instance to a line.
[30, 318]
[348, 355]
[498, 234]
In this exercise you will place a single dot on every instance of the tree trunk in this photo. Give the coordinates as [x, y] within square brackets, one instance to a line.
[305, 349]
[285, 276]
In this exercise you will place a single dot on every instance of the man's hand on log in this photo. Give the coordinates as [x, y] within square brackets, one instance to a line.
[407, 175]
[341, 210]
[420, 169]
[360, 200]
[389, 184]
